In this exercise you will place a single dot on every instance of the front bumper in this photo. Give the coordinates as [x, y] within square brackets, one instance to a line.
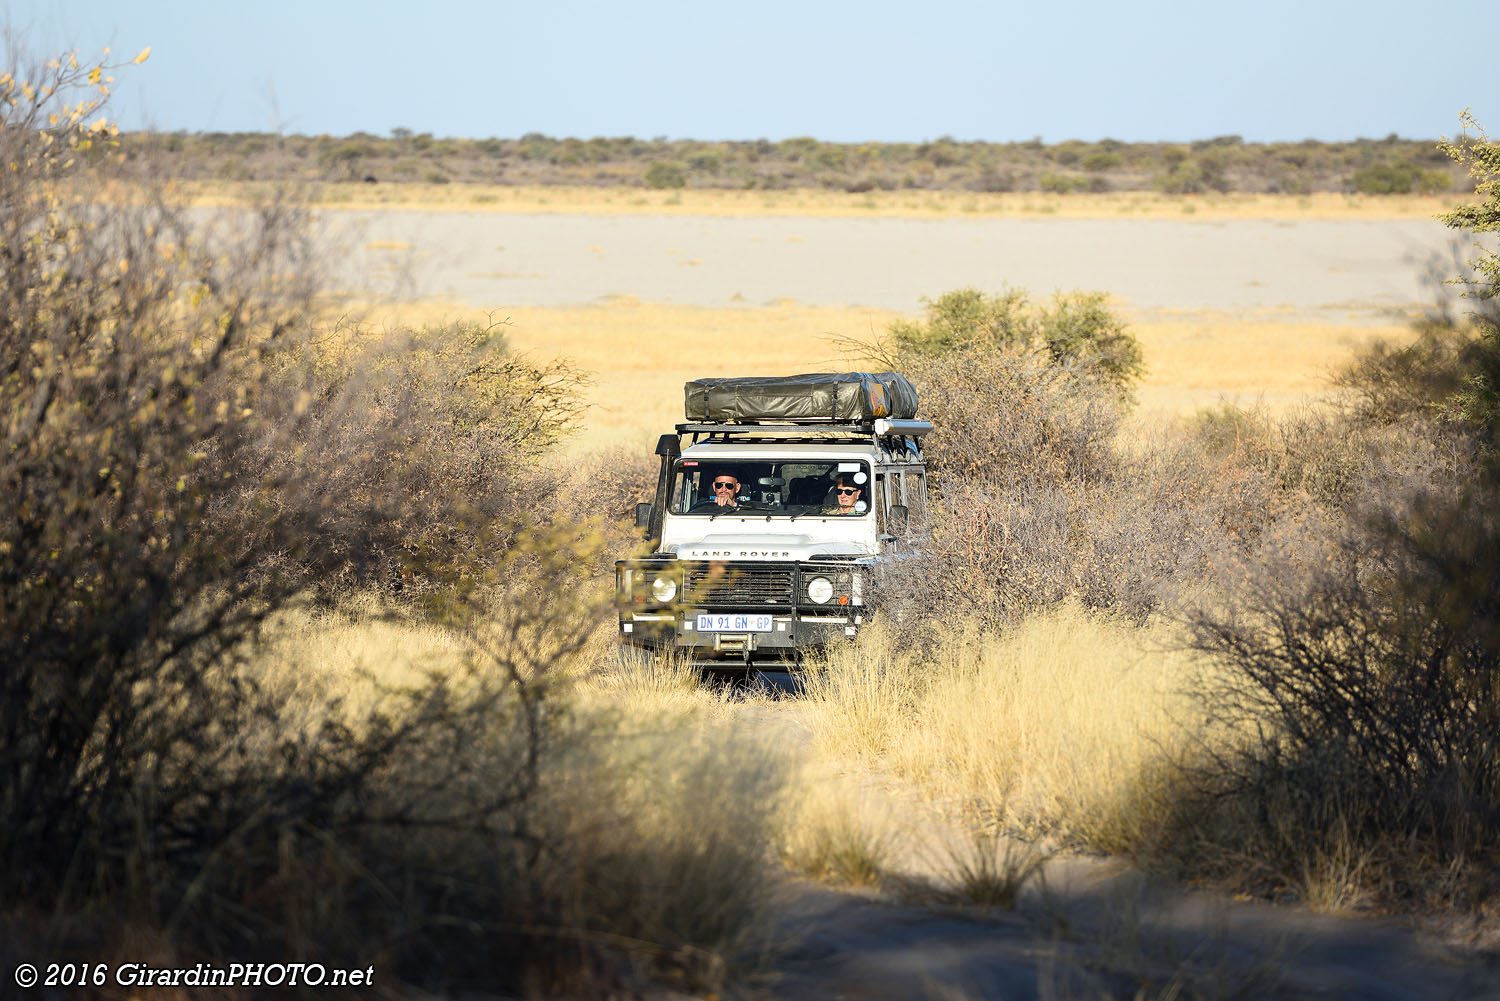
[777, 592]
[790, 634]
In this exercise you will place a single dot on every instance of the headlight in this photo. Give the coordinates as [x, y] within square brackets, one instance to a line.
[820, 589]
[664, 588]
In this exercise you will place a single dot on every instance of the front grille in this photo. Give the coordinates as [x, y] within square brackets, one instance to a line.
[736, 585]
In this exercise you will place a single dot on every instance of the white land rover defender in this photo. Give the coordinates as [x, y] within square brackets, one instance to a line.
[775, 505]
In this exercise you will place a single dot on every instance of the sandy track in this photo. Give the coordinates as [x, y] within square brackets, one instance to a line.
[1114, 934]
[1090, 928]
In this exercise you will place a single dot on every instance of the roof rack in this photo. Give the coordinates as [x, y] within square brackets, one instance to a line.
[881, 427]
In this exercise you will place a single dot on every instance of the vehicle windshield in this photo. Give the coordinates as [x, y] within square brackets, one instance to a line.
[786, 487]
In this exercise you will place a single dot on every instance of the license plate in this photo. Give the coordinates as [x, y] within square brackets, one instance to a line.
[734, 623]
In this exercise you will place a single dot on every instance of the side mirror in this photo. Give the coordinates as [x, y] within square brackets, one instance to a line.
[898, 518]
[643, 512]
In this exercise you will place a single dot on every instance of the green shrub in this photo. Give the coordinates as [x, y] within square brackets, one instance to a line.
[1431, 182]
[1101, 160]
[829, 157]
[1079, 328]
[1385, 179]
[942, 153]
[1075, 328]
[1057, 183]
[1066, 154]
[1399, 179]
[708, 161]
[662, 174]
[535, 146]
[1482, 156]
[965, 317]
[798, 147]
[1183, 179]
[1064, 184]
[346, 157]
[995, 179]
[1289, 180]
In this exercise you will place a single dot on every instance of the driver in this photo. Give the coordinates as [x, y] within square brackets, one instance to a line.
[726, 493]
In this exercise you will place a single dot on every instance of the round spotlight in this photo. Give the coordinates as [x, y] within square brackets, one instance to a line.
[664, 588]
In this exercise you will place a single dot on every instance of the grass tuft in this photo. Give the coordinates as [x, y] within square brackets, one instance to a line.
[990, 870]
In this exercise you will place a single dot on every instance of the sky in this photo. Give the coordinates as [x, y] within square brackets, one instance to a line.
[1147, 71]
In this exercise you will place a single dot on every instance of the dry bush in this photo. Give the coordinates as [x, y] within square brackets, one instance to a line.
[1024, 442]
[1391, 383]
[1366, 652]
[1039, 501]
[321, 830]
[440, 430]
[188, 452]
[1013, 415]
[607, 483]
[134, 346]
[1336, 568]
[457, 809]
[1360, 641]
[170, 478]
[1357, 644]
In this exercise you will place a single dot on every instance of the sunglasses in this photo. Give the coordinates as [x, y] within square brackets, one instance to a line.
[847, 490]
[726, 485]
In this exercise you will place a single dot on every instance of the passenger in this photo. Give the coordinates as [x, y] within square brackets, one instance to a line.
[845, 495]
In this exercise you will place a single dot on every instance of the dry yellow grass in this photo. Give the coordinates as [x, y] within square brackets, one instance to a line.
[822, 203]
[1054, 725]
[1198, 358]
[351, 658]
[658, 805]
[639, 355]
